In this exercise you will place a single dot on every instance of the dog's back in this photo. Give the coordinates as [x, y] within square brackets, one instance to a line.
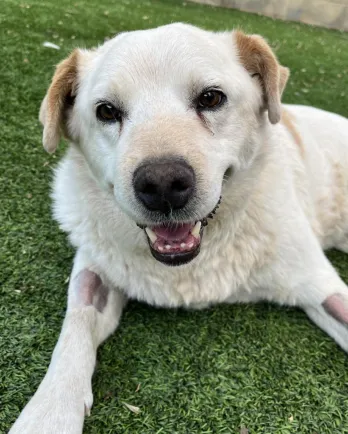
[322, 141]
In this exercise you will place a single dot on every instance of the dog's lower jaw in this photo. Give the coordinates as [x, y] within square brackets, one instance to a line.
[177, 246]
[182, 256]
[176, 259]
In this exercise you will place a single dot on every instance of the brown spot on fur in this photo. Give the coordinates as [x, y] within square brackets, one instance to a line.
[288, 121]
[258, 59]
[205, 122]
[60, 94]
[90, 290]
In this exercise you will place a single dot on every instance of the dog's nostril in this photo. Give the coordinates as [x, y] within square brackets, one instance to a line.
[149, 189]
[178, 186]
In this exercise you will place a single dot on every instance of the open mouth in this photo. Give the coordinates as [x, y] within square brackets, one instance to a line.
[177, 243]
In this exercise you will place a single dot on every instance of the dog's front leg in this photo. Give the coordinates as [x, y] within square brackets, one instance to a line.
[65, 394]
[329, 309]
[305, 278]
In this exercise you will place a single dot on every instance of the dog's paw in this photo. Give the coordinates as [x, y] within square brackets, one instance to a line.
[336, 305]
[332, 317]
[58, 407]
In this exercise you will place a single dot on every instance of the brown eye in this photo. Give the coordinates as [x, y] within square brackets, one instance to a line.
[108, 113]
[210, 99]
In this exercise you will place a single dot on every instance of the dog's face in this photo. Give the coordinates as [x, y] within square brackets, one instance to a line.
[161, 117]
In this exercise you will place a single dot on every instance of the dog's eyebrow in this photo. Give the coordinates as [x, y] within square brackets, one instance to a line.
[114, 101]
[203, 86]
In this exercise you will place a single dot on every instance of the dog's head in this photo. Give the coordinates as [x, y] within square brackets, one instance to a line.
[161, 116]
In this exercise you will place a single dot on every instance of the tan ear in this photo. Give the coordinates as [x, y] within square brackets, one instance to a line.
[61, 92]
[258, 59]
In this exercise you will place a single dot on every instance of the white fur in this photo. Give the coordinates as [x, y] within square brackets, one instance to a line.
[279, 208]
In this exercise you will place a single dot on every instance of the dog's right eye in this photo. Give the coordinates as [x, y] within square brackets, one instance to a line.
[210, 99]
[108, 113]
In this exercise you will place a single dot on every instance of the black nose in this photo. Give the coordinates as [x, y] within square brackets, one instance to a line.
[164, 185]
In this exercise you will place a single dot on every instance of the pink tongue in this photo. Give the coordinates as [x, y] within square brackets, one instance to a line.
[177, 233]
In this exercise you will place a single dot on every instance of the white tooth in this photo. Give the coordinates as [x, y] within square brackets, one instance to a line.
[151, 234]
[196, 229]
[160, 248]
[190, 245]
[182, 245]
[167, 247]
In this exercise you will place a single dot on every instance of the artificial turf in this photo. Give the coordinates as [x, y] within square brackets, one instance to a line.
[221, 370]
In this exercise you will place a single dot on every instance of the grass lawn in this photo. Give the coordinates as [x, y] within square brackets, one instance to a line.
[215, 371]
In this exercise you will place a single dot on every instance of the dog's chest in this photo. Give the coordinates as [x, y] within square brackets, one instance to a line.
[225, 268]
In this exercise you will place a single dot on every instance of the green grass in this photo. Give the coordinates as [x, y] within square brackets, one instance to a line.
[214, 371]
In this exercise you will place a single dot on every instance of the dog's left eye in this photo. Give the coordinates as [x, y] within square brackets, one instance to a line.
[108, 113]
[210, 99]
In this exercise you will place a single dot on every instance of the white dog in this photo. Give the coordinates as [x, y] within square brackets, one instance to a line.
[168, 128]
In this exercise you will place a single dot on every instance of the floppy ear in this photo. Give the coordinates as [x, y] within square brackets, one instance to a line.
[258, 59]
[59, 97]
